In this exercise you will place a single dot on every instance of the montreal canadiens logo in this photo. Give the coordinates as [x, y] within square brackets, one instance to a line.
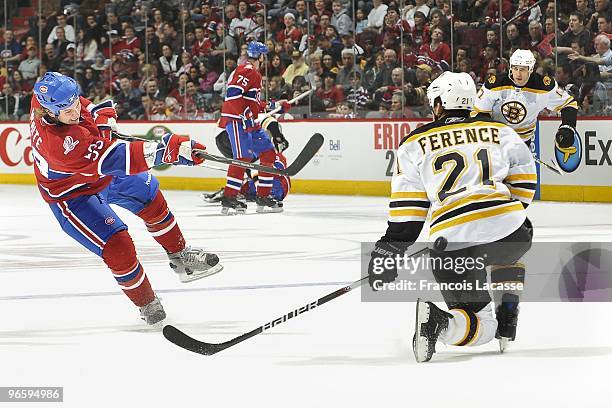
[109, 221]
[43, 89]
[569, 158]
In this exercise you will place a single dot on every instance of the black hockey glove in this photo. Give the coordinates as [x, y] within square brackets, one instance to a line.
[565, 136]
[383, 263]
[280, 143]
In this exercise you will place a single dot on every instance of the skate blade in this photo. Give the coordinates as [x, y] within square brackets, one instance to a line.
[232, 211]
[504, 342]
[420, 344]
[264, 210]
[184, 278]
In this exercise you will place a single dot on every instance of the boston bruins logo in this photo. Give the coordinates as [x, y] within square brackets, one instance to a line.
[514, 112]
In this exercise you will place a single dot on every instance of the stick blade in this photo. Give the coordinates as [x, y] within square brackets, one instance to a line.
[186, 342]
[312, 147]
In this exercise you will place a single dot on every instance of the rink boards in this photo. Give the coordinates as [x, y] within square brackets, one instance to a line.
[357, 157]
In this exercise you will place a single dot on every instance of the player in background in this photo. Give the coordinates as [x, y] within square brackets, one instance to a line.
[475, 177]
[248, 140]
[80, 170]
[518, 98]
[270, 125]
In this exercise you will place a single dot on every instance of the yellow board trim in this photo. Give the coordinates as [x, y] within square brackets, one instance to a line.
[476, 216]
[17, 179]
[595, 194]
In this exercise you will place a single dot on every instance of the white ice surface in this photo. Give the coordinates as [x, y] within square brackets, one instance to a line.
[64, 322]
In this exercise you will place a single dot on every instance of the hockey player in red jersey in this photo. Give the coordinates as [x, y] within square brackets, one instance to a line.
[80, 170]
[240, 109]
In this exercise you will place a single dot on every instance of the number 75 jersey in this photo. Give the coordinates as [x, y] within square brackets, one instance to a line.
[470, 178]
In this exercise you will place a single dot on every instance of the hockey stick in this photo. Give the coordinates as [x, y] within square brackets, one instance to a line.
[548, 166]
[312, 147]
[278, 109]
[187, 342]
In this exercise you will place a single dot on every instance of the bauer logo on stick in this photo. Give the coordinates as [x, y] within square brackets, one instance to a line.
[569, 158]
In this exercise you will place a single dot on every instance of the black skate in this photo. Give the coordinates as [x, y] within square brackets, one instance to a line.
[268, 205]
[232, 206]
[213, 197]
[430, 322]
[507, 319]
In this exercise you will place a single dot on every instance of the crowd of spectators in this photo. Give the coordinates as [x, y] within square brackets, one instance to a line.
[170, 60]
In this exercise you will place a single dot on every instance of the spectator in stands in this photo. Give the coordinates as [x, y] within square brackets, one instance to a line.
[276, 66]
[358, 96]
[563, 75]
[50, 58]
[514, 39]
[329, 65]
[492, 37]
[583, 7]
[297, 67]
[437, 49]
[290, 30]
[152, 46]
[420, 30]
[376, 18]
[324, 22]
[275, 89]
[301, 14]
[87, 46]
[330, 94]
[602, 8]
[535, 14]
[410, 11]
[11, 49]
[127, 100]
[69, 33]
[95, 30]
[535, 36]
[320, 10]
[69, 62]
[88, 81]
[362, 21]
[224, 44]
[343, 111]
[206, 80]
[344, 78]
[29, 66]
[315, 68]
[152, 89]
[221, 84]
[398, 106]
[242, 25]
[11, 105]
[492, 60]
[576, 33]
[129, 42]
[110, 48]
[603, 26]
[389, 64]
[170, 36]
[169, 62]
[373, 75]
[340, 18]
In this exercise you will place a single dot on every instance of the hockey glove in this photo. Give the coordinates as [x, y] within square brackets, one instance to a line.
[177, 150]
[105, 117]
[280, 143]
[565, 136]
[383, 263]
[284, 105]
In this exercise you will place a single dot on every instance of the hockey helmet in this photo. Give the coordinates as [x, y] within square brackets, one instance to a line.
[523, 58]
[255, 49]
[455, 90]
[55, 91]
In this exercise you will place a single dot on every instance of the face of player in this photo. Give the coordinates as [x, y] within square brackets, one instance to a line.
[520, 74]
[72, 114]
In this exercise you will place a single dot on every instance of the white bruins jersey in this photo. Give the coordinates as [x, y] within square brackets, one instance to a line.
[519, 107]
[470, 175]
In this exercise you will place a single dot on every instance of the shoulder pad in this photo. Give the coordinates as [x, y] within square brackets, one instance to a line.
[496, 81]
[541, 83]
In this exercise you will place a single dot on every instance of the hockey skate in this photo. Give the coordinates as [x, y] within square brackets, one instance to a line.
[430, 322]
[507, 319]
[268, 205]
[232, 206]
[214, 197]
[192, 264]
[153, 312]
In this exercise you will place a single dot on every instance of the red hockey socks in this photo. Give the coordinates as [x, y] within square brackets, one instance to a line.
[119, 255]
[161, 224]
[235, 176]
[265, 180]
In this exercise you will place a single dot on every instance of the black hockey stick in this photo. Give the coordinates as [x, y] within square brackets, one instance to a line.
[312, 147]
[187, 342]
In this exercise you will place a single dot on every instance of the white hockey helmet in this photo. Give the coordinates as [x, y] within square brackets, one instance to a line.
[455, 90]
[523, 58]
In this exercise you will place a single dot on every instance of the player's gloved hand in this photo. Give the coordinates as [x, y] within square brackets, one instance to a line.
[565, 136]
[105, 117]
[249, 121]
[177, 150]
[283, 104]
[280, 143]
[383, 263]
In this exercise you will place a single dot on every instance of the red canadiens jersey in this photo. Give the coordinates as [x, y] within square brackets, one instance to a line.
[75, 160]
[242, 99]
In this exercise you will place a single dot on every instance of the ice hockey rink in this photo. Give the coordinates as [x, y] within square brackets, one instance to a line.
[64, 322]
